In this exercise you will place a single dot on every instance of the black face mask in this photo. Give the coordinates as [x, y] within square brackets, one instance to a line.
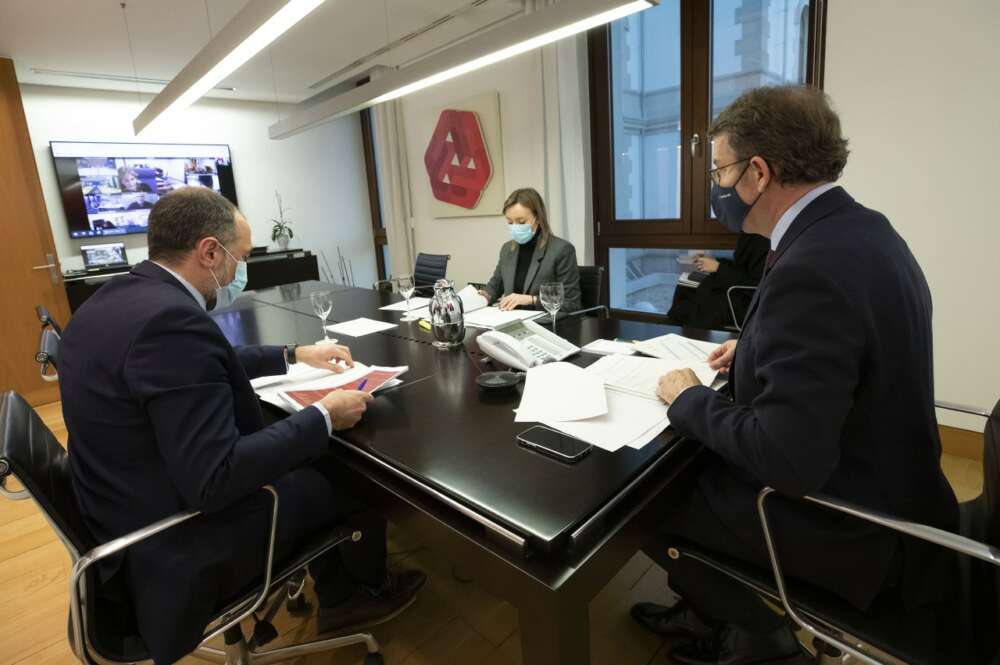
[729, 208]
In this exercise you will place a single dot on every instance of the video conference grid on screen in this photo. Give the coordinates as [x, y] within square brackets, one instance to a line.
[107, 190]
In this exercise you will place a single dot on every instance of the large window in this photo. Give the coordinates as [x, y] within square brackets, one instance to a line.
[658, 78]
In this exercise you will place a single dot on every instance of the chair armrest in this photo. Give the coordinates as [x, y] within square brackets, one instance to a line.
[121, 543]
[591, 309]
[729, 299]
[962, 408]
[946, 539]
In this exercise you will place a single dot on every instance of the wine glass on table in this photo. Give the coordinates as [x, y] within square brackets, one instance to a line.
[405, 286]
[322, 302]
[551, 295]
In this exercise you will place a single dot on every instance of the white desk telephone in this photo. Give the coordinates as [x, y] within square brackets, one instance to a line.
[524, 344]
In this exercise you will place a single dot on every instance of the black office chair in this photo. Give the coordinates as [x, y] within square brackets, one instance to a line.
[46, 319]
[429, 268]
[48, 354]
[99, 633]
[591, 281]
[882, 635]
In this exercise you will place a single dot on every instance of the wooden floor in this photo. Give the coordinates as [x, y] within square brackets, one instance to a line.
[453, 622]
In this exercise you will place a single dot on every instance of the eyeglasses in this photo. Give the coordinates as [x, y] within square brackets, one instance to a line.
[716, 173]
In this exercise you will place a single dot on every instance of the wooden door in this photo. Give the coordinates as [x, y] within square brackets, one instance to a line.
[29, 267]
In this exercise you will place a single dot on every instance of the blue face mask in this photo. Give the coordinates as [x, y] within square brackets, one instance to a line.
[729, 208]
[520, 233]
[225, 295]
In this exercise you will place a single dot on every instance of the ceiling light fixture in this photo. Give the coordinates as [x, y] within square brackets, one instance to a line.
[258, 24]
[517, 36]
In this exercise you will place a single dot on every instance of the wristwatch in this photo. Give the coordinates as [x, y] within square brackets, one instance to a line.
[290, 353]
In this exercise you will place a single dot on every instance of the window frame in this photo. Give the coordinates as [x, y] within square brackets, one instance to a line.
[695, 228]
[379, 237]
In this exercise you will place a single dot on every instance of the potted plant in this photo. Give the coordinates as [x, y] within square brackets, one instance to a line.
[281, 232]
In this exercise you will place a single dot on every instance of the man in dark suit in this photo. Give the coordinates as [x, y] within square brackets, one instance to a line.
[833, 393]
[162, 418]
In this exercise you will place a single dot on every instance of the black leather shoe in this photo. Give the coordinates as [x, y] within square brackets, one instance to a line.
[735, 646]
[678, 620]
[370, 607]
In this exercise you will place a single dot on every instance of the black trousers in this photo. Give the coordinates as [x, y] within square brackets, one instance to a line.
[322, 496]
[713, 595]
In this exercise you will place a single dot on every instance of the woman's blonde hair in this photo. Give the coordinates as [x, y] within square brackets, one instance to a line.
[531, 200]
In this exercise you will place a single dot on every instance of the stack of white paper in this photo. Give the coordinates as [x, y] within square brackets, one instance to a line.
[559, 392]
[299, 377]
[641, 376]
[630, 421]
[491, 317]
[676, 347]
[609, 347]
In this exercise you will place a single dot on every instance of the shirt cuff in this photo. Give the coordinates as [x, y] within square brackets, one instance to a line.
[326, 418]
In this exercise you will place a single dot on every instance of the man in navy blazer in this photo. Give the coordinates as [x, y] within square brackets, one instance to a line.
[162, 418]
[833, 393]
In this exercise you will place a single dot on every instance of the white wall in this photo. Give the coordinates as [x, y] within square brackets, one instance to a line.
[916, 88]
[320, 173]
[538, 151]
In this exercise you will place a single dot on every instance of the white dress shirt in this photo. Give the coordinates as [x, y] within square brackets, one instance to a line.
[200, 299]
[793, 211]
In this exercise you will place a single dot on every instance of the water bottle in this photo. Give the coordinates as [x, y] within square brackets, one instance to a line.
[447, 316]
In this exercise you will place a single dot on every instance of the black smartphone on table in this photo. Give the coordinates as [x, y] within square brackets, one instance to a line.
[555, 444]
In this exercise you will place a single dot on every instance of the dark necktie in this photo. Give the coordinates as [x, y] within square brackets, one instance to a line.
[769, 261]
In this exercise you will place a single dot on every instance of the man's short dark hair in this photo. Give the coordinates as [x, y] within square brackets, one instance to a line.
[793, 128]
[183, 217]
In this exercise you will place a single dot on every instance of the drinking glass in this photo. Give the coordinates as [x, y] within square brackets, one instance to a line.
[322, 302]
[551, 295]
[405, 287]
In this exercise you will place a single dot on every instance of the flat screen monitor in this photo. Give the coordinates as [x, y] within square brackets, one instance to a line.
[108, 189]
[109, 255]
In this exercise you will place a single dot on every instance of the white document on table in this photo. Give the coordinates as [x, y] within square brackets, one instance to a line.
[471, 300]
[630, 421]
[491, 317]
[415, 303]
[557, 392]
[297, 373]
[609, 347]
[640, 376]
[303, 377]
[677, 347]
[360, 327]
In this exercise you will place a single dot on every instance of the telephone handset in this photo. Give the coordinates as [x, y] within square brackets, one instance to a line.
[506, 349]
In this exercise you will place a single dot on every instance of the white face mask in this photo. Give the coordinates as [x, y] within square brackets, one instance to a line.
[228, 293]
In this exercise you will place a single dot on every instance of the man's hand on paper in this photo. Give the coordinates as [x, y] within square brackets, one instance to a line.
[514, 300]
[722, 357]
[674, 382]
[345, 407]
[333, 357]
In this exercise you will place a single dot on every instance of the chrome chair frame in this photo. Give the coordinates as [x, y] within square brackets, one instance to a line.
[855, 648]
[237, 650]
[729, 299]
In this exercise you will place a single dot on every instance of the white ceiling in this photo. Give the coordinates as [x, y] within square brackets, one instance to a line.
[89, 36]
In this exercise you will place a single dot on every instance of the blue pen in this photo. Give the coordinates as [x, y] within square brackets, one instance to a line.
[361, 386]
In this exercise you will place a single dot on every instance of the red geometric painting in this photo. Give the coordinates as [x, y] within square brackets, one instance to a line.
[457, 160]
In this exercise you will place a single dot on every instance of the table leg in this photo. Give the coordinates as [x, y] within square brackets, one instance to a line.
[555, 634]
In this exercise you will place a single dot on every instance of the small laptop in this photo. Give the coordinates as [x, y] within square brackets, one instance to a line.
[109, 255]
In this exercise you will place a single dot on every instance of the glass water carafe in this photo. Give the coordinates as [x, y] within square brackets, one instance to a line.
[447, 316]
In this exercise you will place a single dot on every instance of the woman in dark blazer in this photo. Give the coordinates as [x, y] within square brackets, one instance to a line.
[534, 256]
[707, 306]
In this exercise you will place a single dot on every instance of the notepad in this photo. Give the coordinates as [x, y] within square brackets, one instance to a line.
[641, 376]
[369, 380]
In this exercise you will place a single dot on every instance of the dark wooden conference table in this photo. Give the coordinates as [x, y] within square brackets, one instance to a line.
[439, 457]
